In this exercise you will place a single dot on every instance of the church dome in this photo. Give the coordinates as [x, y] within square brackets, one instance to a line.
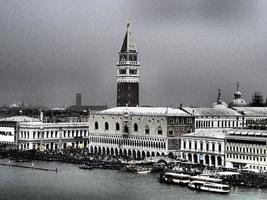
[219, 103]
[237, 100]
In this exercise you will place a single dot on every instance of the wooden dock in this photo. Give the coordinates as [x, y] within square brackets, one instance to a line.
[29, 167]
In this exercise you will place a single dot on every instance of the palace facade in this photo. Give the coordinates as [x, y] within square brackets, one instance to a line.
[138, 131]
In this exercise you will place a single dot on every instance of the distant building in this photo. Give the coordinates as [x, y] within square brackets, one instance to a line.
[128, 73]
[78, 99]
[257, 100]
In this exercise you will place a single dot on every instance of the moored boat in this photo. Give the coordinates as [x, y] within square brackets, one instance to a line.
[87, 167]
[209, 186]
[175, 178]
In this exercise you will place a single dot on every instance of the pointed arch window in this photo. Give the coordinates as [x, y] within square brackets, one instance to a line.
[146, 129]
[135, 127]
[159, 130]
[96, 125]
[106, 126]
[117, 126]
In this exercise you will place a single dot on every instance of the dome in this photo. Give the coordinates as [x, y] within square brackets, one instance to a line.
[220, 104]
[237, 94]
[237, 101]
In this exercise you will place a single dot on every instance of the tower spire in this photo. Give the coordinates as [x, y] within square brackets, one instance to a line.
[128, 72]
[219, 95]
[237, 86]
[128, 44]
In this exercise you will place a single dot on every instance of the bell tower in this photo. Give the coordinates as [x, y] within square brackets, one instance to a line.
[128, 72]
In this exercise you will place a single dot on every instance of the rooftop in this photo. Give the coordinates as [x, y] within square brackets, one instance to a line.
[220, 112]
[247, 133]
[204, 133]
[20, 119]
[161, 111]
[252, 111]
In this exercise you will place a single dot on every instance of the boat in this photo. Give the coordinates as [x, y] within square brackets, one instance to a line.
[207, 183]
[209, 186]
[143, 170]
[175, 178]
[87, 167]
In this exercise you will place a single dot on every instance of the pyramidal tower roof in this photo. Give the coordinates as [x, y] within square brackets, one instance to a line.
[128, 44]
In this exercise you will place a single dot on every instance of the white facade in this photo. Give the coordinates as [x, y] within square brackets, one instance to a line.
[221, 118]
[38, 135]
[247, 149]
[132, 131]
[204, 147]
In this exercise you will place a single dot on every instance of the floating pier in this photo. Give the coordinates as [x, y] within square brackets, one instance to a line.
[29, 167]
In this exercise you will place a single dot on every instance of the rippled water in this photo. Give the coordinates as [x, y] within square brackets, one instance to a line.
[73, 183]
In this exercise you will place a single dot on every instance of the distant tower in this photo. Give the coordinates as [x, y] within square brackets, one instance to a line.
[128, 72]
[78, 99]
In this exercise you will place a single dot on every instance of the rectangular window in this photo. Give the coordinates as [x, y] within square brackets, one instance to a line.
[122, 71]
[133, 71]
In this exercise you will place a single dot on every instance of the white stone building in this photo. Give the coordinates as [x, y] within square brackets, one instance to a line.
[204, 146]
[138, 131]
[216, 118]
[246, 149]
[30, 133]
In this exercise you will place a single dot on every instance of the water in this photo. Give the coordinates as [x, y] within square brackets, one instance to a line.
[72, 183]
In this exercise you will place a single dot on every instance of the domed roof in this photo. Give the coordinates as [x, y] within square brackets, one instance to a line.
[219, 103]
[237, 101]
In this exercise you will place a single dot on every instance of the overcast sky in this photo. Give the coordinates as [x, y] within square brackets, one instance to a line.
[51, 49]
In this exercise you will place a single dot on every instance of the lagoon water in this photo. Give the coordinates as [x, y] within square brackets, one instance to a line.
[72, 183]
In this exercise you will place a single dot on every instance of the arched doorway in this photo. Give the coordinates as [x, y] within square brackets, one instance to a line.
[116, 152]
[207, 160]
[103, 150]
[219, 160]
[190, 157]
[120, 152]
[153, 154]
[170, 155]
[143, 154]
[125, 152]
[91, 149]
[134, 154]
[148, 154]
[129, 152]
[112, 151]
[213, 160]
[99, 150]
[138, 155]
[158, 154]
[95, 151]
[108, 152]
[195, 158]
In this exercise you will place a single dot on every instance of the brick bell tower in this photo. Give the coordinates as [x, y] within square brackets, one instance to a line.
[128, 72]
